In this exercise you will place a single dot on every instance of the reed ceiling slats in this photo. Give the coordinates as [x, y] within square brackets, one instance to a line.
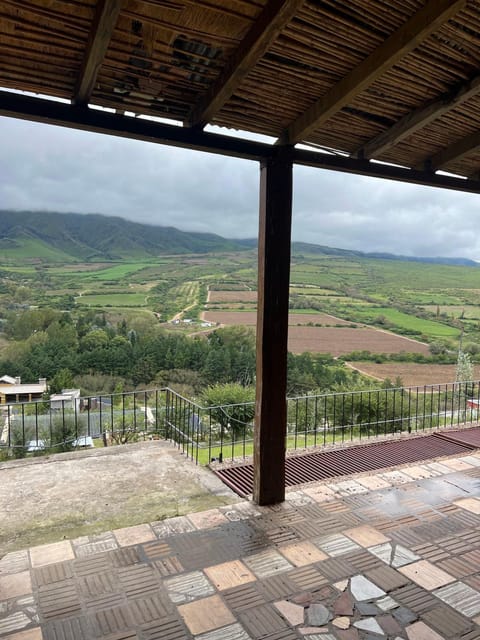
[393, 80]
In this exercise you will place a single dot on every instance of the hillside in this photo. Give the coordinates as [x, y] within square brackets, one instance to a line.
[64, 237]
[72, 237]
[305, 248]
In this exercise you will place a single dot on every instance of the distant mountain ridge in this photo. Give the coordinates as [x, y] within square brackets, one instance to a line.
[299, 248]
[98, 237]
[303, 247]
[71, 237]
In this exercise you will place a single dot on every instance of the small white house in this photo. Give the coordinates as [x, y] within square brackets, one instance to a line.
[68, 399]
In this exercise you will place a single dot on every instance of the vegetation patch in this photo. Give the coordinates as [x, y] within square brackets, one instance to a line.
[112, 300]
[419, 326]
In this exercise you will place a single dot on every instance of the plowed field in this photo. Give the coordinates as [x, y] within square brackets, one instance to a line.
[327, 339]
[232, 296]
[250, 317]
[339, 341]
[412, 374]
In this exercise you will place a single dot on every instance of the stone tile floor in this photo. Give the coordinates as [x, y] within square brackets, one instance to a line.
[389, 555]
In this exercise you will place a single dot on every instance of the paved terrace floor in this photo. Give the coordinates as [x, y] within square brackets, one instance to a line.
[395, 554]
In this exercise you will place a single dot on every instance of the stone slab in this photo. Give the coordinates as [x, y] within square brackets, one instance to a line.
[426, 574]
[229, 574]
[51, 553]
[15, 585]
[205, 615]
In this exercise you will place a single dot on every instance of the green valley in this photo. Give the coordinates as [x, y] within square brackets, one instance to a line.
[343, 303]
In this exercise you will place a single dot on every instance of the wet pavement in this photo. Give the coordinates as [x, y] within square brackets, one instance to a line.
[393, 554]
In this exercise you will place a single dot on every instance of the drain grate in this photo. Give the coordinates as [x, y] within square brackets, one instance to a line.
[319, 465]
[467, 437]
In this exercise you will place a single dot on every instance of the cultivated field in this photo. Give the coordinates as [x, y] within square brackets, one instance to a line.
[429, 302]
[112, 300]
[232, 296]
[409, 322]
[341, 341]
[250, 318]
[456, 311]
[411, 373]
[327, 338]
[324, 319]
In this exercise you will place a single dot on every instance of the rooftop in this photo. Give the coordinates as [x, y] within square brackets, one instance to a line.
[14, 389]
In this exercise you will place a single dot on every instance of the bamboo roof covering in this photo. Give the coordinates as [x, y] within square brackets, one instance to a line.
[391, 80]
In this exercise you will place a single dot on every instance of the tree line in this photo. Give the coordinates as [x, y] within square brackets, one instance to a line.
[88, 351]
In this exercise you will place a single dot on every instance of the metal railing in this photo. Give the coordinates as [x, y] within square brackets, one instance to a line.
[41, 427]
[225, 432]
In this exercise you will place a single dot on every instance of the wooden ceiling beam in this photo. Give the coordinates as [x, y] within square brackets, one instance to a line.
[400, 43]
[265, 29]
[454, 152]
[83, 118]
[14, 105]
[104, 23]
[418, 119]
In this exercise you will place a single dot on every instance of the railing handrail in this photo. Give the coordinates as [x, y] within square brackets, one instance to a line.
[201, 407]
[383, 389]
[223, 430]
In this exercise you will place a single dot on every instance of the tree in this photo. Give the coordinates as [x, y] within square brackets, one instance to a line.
[438, 347]
[464, 374]
[122, 328]
[184, 381]
[464, 371]
[63, 379]
[31, 322]
[233, 405]
[95, 339]
[217, 365]
[473, 348]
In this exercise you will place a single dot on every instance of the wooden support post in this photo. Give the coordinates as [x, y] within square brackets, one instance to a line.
[272, 326]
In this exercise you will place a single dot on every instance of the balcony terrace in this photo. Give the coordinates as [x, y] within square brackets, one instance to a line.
[141, 541]
[376, 88]
[379, 88]
[388, 554]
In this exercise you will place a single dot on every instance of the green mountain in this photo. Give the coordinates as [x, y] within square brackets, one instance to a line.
[67, 237]
[305, 249]
[72, 237]
[299, 248]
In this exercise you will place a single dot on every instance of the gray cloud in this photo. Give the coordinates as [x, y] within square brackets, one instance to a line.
[44, 167]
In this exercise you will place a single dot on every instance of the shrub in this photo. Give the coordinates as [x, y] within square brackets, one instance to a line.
[18, 440]
[64, 431]
[233, 405]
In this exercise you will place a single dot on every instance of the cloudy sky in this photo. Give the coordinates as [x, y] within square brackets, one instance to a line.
[52, 168]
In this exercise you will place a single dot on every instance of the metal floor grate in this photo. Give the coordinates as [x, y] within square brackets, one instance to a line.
[319, 465]
[468, 437]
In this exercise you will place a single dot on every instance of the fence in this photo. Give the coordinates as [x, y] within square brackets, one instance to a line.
[226, 432]
[42, 426]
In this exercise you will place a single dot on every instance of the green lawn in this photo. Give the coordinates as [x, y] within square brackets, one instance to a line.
[292, 443]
